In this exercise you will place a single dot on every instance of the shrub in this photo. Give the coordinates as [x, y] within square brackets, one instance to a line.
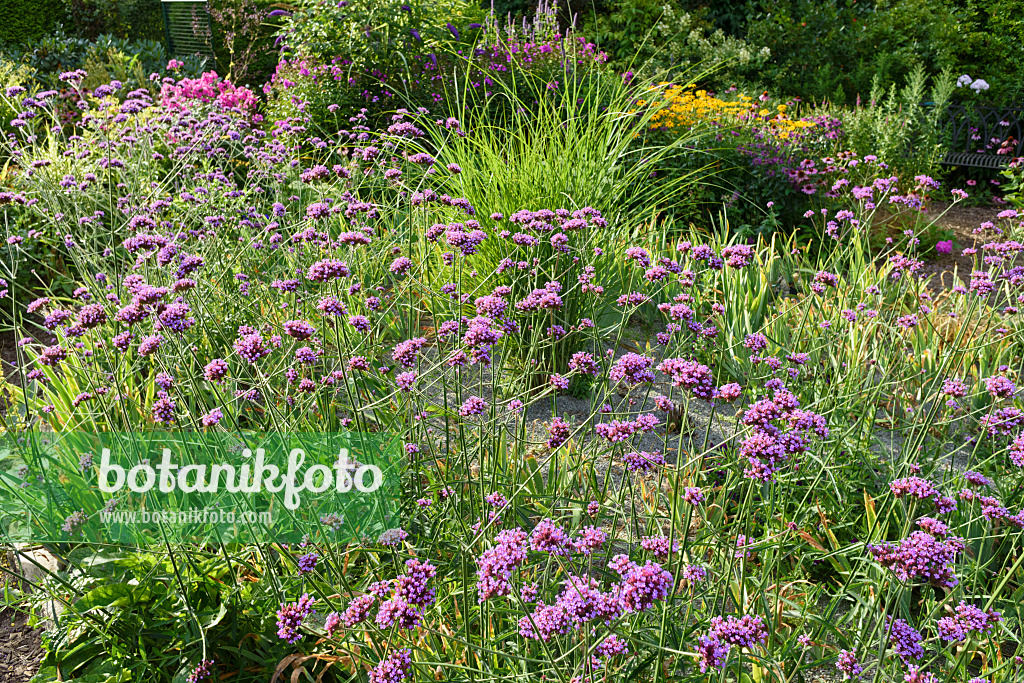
[24, 21]
[105, 58]
[896, 126]
[833, 50]
[660, 40]
[126, 19]
[379, 35]
[503, 65]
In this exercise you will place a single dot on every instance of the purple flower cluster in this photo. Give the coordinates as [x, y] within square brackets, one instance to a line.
[966, 619]
[291, 616]
[689, 374]
[904, 639]
[780, 431]
[1000, 387]
[920, 556]
[746, 632]
[643, 461]
[848, 665]
[474, 405]
[659, 546]
[252, 347]
[495, 566]
[394, 668]
[582, 601]
[632, 368]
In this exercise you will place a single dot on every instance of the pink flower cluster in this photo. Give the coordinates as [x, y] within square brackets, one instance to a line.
[207, 89]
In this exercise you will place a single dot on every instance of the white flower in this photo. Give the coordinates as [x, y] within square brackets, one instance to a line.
[979, 85]
[963, 80]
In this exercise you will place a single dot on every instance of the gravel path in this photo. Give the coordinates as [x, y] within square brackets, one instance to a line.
[962, 221]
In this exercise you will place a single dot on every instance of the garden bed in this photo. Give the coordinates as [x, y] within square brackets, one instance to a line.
[651, 384]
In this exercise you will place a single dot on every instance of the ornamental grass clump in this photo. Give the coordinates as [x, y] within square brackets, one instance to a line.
[627, 451]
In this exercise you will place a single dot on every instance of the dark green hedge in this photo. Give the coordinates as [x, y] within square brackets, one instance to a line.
[22, 21]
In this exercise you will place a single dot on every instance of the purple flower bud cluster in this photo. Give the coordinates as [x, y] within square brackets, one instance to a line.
[412, 585]
[252, 347]
[550, 538]
[659, 546]
[474, 405]
[915, 487]
[848, 665]
[920, 556]
[394, 668]
[633, 369]
[202, 671]
[1000, 387]
[643, 461]
[393, 537]
[967, 619]
[746, 632]
[495, 565]
[558, 432]
[689, 374]
[770, 444]
[405, 352]
[539, 299]
[618, 430]
[327, 270]
[216, 369]
[641, 585]
[291, 616]
[358, 609]
[904, 639]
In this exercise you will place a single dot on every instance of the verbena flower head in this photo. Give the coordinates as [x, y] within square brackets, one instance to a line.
[291, 616]
[394, 668]
[920, 556]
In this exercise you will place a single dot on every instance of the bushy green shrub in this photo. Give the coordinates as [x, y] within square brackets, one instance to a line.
[989, 44]
[894, 126]
[657, 37]
[371, 33]
[23, 21]
[834, 49]
[132, 19]
[243, 40]
[107, 57]
[498, 72]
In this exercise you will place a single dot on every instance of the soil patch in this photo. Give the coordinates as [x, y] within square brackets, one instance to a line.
[952, 269]
[20, 647]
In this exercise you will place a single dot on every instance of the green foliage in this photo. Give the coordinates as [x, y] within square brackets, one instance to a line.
[894, 126]
[371, 33]
[377, 55]
[23, 21]
[731, 16]
[835, 49]
[133, 19]
[133, 614]
[1014, 184]
[515, 9]
[656, 37]
[243, 40]
[107, 57]
[989, 44]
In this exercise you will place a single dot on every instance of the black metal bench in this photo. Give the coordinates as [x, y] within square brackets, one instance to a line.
[983, 137]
